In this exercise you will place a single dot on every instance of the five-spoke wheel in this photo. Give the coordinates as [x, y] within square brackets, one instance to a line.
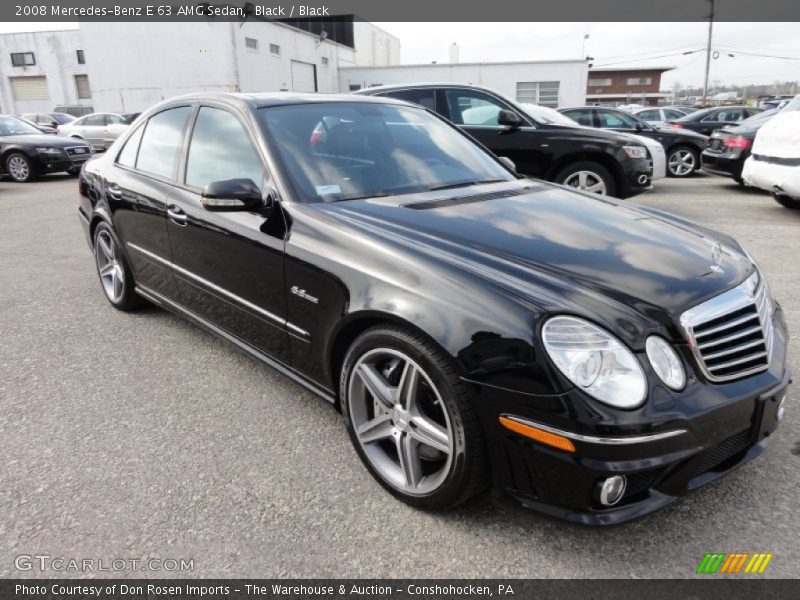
[412, 419]
[682, 161]
[112, 269]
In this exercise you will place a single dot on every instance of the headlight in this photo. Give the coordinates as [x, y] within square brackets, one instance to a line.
[635, 151]
[595, 361]
[48, 150]
[665, 362]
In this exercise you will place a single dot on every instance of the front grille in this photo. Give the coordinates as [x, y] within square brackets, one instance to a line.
[641, 481]
[724, 451]
[731, 335]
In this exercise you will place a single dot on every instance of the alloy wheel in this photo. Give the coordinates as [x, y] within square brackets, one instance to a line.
[400, 421]
[681, 162]
[112, 275]
[18, 168]
[587, 181]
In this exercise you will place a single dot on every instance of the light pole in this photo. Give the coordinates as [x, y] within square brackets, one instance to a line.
[708, 51]
[583, 45]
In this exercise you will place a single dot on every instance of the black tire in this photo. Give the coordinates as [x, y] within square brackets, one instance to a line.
[677, 152]
[127, 299]
[20, 167]
[468, 472]
[786, 201]
[596, 169]
[73, 171]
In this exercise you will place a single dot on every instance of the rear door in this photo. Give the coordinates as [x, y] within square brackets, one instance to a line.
[476, 111]
[229, 265]
[92, 129]
[137, 188]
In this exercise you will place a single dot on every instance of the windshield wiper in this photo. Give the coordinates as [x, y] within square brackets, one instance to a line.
[450, 186]
[364, 197]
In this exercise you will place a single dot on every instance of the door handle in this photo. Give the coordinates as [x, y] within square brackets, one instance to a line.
[176, 215]
[114, 191]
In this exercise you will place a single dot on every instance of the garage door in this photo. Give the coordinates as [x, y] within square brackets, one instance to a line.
[29, 88]
[304, 77]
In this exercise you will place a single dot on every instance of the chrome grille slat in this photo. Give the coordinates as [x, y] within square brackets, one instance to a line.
[733, 350]
[730, 338]
[735, 327]
[739, 361]
[728, 325]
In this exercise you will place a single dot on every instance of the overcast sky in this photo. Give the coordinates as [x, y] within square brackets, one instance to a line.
[624, 44]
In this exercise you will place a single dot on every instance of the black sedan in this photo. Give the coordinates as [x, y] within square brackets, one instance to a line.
[594, 161]
[683, 147]
[589, 358]
[706, 120]
[26, 152]
[731, 146]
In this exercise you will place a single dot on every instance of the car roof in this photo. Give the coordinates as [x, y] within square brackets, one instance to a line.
[265, 99]
[420, 85]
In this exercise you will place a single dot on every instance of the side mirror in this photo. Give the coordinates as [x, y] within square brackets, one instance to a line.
[508, 162]
[639, 126]
[232, 194]
[508, 118]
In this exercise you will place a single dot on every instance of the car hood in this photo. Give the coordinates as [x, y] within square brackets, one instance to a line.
[529, 234]
[44, 139]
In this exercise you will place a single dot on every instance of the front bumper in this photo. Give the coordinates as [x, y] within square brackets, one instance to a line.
[724, 426]
[637, 177]
[65, 161]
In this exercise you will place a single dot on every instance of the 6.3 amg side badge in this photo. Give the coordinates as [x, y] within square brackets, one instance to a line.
[302, 293]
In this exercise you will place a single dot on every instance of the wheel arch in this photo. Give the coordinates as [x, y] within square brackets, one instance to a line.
[353, 326]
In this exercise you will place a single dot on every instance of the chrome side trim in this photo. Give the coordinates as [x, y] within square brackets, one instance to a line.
[164, 302]
[593, 439]
[238, 299]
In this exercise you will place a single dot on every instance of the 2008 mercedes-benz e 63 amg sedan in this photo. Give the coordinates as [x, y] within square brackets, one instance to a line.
[590, 358]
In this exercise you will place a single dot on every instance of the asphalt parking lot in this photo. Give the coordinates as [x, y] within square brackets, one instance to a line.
[140, 435]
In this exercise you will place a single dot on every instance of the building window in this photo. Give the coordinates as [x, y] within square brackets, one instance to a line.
[23, 59]
[324, 61]
[275, 49]
[606, 81]
[82, 85]
[544, 93]
[81, 57]
[640, 80]
[354, 87]
[251, 43]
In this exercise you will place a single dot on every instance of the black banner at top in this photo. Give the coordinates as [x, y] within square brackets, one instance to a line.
[408, 10]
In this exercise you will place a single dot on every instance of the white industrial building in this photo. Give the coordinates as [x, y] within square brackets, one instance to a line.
[548, 83]
[128, 67]
[131, 66]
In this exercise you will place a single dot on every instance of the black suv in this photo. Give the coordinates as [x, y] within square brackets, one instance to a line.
[683, 146]
[594, 161]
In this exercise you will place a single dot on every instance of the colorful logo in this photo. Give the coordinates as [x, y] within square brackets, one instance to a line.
[736, 562]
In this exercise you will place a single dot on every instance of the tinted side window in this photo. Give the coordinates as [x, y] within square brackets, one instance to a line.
[423, 97]
[615, 120]
[127, 157]
[472, 108]
[220, 149]
[114, 120]
[95, 120]
[673, 114]
[652, 115]
[582, 116]
[159, 148]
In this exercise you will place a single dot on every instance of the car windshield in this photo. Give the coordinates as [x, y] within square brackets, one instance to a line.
[344, 151]
[12, 126]
[62, 118]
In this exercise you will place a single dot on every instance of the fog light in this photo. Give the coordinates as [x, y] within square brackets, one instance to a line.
[781, 409]
[612, 489]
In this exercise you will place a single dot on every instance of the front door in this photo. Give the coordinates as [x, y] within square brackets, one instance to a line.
[228, 265]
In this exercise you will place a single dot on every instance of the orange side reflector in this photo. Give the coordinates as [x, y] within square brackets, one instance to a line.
[541, 436]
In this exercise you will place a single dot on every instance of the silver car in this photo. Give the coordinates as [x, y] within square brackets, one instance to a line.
[99, 129]
[658, 116]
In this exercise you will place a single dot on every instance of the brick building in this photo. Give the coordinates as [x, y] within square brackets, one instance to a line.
[626, 86]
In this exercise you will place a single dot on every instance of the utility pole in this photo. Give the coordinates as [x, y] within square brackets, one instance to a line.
[708, 51]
